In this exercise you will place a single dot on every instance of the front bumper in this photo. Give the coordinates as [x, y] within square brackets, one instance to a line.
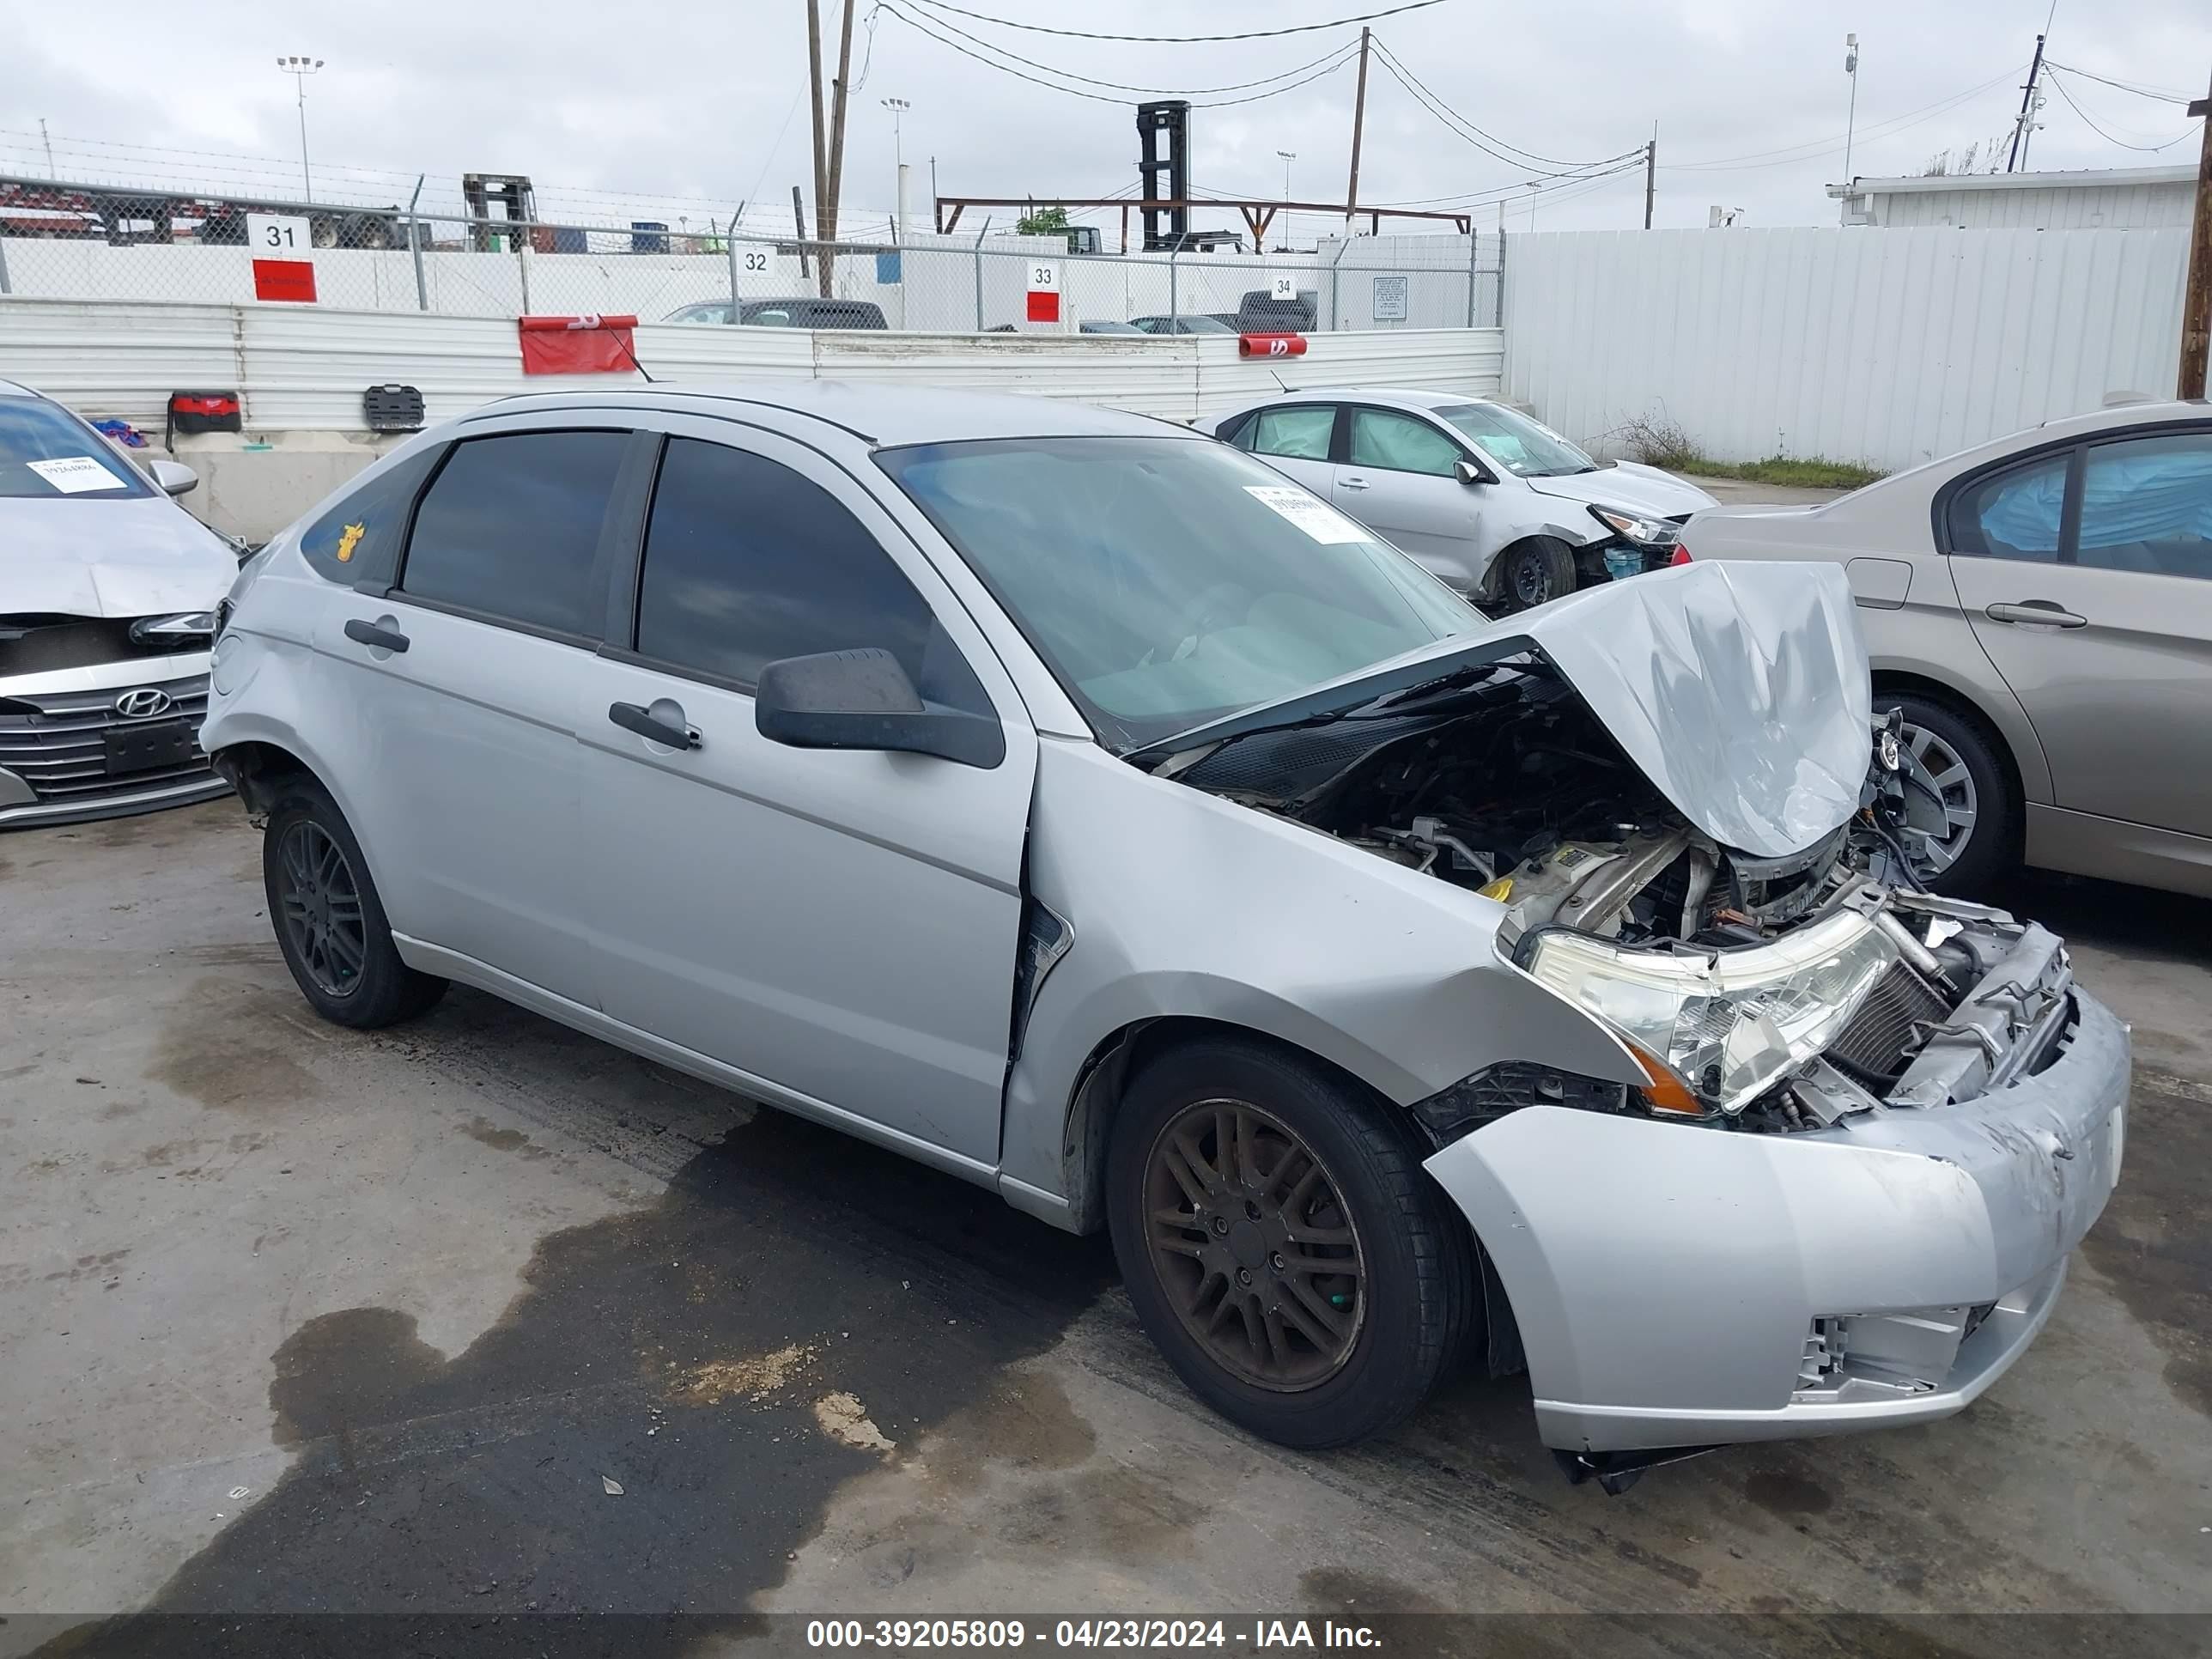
[1677, 1285]
[53, 741]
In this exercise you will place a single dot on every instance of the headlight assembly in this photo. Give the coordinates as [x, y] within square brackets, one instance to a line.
[1714, 1030]
[1639, 528]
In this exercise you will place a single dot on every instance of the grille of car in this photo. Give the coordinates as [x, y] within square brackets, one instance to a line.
[56, 741]
[37, 644]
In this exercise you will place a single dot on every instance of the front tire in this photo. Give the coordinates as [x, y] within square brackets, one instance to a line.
[1534, 572]
[1281, 1245]
[330, 922]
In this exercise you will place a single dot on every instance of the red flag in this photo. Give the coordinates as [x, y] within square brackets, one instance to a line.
[590, 345]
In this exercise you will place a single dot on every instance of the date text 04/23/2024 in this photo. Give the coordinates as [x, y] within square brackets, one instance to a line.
[1262, 1635]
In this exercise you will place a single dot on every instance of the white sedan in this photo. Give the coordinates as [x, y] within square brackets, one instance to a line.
[107, 597]
[1499, 505]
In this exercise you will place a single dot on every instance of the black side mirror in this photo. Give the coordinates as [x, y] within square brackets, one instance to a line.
[864, 700]
[1471, 473]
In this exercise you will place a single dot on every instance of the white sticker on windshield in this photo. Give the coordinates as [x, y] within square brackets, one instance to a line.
[1317, 518]
[74, 474]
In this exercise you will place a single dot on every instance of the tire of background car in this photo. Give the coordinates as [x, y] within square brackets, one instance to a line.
[1958, 744]
[330, 922]
[1534, 572]
[1311, 1291]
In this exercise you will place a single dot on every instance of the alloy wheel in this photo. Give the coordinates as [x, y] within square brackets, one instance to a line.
[1934, 853]
[318, 905]
[1254, 1246]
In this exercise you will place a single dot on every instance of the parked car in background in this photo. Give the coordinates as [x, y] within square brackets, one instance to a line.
[1104, 325]
[1068, 801]
[1189, 323]
[802, 310]
[107, 597]
[1495, 503]
[2040, 608]
[1261, 313]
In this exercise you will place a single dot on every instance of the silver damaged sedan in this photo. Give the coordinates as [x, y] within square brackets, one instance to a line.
[1074, 805]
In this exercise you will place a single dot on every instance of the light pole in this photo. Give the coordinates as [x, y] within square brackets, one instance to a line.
[898, 107]
[299, 69]
[1851, 119]
[1289, 156]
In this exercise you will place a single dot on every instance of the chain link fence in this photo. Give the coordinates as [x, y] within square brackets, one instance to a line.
[72, 241]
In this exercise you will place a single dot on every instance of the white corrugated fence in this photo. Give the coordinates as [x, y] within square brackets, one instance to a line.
[1887, 347]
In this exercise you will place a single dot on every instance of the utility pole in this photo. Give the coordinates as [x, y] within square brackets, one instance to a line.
[2026, 107]
[2196, 300]
[838, 88]
[1651, 174]
[814, 90]
[49, 144]
[1358, 118]
[298, 69]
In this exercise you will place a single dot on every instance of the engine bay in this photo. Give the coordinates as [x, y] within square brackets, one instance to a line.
[1510, 786]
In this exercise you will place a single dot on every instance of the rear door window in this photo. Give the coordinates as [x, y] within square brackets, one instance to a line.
[1298, 431]
[510, 530]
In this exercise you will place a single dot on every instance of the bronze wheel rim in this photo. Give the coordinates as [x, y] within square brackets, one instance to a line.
[1249, 1238]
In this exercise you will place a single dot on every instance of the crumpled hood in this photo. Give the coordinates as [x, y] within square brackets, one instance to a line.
[1739, 689]
[135, 558]
[1629, 484]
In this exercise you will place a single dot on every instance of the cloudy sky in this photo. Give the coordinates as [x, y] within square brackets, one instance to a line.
[659, 109]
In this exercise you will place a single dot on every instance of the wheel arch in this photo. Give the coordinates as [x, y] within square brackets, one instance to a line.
[1969, 706]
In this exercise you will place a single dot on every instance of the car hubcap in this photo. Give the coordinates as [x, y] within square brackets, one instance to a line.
[1532, 581]
[318, 905]
[1256, 1249]
[1933, 853]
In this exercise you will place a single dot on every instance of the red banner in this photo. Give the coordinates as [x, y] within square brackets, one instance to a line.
[590, 345]
[1270, 345]
[284, 279]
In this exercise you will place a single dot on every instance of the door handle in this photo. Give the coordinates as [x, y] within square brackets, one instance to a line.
[1351, 483]
[375, 634]
[2038, 613]
[663, 723]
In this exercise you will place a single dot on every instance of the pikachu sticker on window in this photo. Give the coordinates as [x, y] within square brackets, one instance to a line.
[348, 538]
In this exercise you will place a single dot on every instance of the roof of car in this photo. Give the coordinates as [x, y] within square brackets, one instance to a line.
[881, 414]
[17, 389]
[1408, 397]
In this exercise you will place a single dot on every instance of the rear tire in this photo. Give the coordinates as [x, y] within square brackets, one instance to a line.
[1956, 749]
[1312, 1284]
[1533, 572]
[330, 922]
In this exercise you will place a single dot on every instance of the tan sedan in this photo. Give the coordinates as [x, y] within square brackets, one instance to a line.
[2040, 608]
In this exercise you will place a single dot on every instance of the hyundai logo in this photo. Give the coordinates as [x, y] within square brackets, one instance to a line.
[143, 704]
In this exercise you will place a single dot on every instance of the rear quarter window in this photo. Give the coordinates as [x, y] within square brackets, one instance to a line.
[359, 539]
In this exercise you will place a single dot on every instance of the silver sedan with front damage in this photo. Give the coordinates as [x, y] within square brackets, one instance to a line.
[1072, 803]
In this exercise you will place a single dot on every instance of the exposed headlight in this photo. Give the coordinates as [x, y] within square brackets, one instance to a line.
[1637, 527]
[149, 631]
[1722, 1026]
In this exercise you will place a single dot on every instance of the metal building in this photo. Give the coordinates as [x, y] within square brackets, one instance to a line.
[2125, 199]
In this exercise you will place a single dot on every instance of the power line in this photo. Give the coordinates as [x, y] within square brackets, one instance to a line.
[1180, 39]
[2145, 149]
[1443, 112]
[1345, 50]
[1484, 197]
[1337, 62]
[2144, 90]
[1814, 150]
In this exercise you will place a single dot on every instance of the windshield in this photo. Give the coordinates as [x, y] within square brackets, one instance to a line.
[1166, 582]
[45, 454]
[1527, 448]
